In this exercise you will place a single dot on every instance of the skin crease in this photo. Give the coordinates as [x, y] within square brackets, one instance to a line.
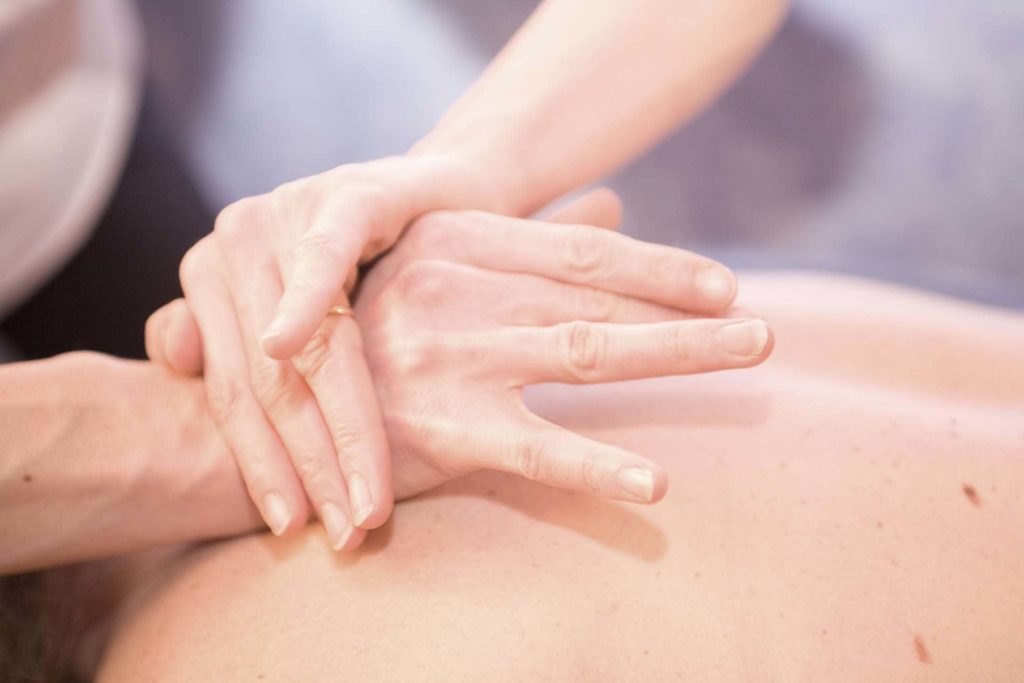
[261, 283]
[817, 529]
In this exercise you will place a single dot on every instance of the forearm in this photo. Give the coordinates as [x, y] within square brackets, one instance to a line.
[586, 85]
[86, 471]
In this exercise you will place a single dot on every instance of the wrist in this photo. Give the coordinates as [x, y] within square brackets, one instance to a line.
[493, 158]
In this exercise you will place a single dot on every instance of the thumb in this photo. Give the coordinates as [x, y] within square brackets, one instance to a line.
[173, 339]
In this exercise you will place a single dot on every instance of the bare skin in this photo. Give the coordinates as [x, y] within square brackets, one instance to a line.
[594, 81]
[848, 511]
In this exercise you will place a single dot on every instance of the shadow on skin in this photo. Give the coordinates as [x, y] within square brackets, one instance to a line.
[667, 402]
[616, 526]
[619, 527]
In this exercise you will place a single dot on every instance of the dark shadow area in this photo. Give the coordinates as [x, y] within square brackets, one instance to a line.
[129, 267]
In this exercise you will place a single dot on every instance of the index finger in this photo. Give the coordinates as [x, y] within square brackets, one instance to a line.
[323, 259]
[581, 254]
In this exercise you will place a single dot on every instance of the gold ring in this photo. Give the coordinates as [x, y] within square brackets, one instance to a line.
[341, 310]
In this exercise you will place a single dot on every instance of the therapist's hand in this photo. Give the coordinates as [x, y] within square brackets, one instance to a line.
[471, 307]
[288, 385]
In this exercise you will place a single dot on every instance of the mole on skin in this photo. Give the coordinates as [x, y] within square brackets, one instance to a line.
[972, 494]
[922, 652]
[27, 478]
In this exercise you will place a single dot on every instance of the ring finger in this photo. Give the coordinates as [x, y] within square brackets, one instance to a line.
[291, 407]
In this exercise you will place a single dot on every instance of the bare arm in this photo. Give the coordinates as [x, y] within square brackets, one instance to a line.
[100, 456]
[586, 85]
[582, 88]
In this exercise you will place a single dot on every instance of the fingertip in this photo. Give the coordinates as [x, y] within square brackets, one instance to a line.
[380, 515]
[747, 341]
[154, 335]
[645, 483]
[369, 511]
[769, 346]
[608, 208]
[183, 342]
[277, 343]
[342, 535]
[283, 518]
[660, 484]
[717, 285]
[355, 540]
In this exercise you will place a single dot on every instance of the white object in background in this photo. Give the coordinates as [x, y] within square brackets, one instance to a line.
[70, 83]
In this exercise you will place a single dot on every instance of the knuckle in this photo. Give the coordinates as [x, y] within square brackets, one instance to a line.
[596, 304]
[313, 360]
[530, 459]
[430, 233]
[235, 220]
[584, 251]
[346, 434]
[678, 343]
[581, 347]
[670, 270]
[407, 357]
[590, 473]
[424, 283]
[310, 469]
[194, 262]
[223, 394]
[319, 243]
[274, 386]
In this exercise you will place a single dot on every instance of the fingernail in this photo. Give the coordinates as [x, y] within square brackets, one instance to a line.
[715, 284]
[637, 482]
[359, 498]
[275, 511]
[336, 524]
[744, 339]
[273, 333]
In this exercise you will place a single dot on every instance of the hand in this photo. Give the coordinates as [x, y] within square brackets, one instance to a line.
[469, 308]
[299, 412]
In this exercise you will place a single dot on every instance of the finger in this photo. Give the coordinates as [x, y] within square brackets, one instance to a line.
[546, 453]
[154, 334]
[578, 254]
[323, 260]
[172, 339]
[334, 367]
[600, 208]
[432, 285]
[290, 406]
[583, 352]
[262, 461]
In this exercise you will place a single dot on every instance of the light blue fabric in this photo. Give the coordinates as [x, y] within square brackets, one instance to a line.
[880, 137]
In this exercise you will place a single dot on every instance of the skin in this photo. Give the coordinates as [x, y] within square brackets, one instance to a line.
[846, 511]
[456, 321]
[260, 285]
[103, 456]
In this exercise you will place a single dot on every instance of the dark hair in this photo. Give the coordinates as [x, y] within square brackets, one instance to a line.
[46, 617]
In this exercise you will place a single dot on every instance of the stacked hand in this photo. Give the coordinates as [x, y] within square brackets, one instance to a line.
[293, 400]
[469, 308]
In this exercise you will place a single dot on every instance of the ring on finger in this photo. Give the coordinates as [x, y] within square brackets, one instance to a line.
[341, 311]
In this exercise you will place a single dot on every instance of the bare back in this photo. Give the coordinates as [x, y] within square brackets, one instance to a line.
[852, 510]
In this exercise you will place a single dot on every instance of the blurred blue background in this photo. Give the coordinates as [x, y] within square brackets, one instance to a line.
[879, 137]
